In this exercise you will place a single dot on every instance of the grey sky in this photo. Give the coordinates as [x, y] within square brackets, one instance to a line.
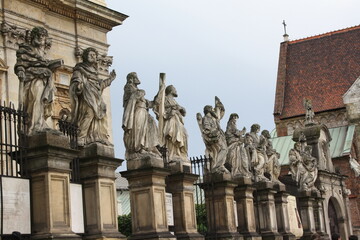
[207, 48]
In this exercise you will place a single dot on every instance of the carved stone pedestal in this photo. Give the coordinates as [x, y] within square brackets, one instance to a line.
[245, 209]
[97, 173]
[219, 198]
[49, 157]
[319, 216]
[147, 198]
[282, 213]
[181, 186]
[266, 211]
[306, 208]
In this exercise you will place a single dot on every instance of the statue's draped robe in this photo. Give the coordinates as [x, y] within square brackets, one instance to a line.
[38, 89]
[236, 156]
[140, 130]
[88, 107]
[174, 132]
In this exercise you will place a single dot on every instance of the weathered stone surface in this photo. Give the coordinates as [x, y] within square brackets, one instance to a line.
[147, 199]
[49, 165]
[181, 186]
[97, 173]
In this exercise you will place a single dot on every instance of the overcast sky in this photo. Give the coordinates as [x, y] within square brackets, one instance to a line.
[208, 48]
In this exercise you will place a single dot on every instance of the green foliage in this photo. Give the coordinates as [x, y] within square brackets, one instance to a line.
[124, 224]
[201, 218]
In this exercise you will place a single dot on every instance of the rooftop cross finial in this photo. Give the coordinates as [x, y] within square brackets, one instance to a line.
[286, 36]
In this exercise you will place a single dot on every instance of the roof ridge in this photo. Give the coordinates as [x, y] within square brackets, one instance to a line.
[326, 34]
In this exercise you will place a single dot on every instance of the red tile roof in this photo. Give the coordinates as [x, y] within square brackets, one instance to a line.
[320, 68]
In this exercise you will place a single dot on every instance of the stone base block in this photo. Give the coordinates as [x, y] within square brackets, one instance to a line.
[288, 236]
[145, 162]
[251, 236]
[153, 236]
[105, 236]
[223, 236]
[190, 236]
[56, 236]
[271, 236]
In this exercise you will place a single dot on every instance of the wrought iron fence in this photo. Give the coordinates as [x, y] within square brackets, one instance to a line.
[13, 142]
[71, 131]
[200, 166]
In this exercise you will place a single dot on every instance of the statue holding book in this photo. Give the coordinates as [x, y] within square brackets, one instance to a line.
[36, 86]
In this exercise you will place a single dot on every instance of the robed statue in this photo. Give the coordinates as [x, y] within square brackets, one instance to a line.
[141, 135]
[36, 86]
[213, 136]
[88, 107]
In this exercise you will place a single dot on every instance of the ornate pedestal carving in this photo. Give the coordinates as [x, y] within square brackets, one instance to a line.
[181, 185]
[319, 217]
[219, 198]
[245, 209]
[306, 205]
[147, 198]
[97, 173]
[282, 214]
[49, 157]
[266, 211]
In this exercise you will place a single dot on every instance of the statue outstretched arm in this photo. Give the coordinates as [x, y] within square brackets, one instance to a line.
[107, 82]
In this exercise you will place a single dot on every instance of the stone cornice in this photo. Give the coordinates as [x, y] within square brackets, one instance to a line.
[86, 11]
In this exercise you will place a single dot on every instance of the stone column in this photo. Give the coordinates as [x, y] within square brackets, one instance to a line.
[97, 173]
[282, 213]
[219, 198]
[147, 198]
[49, 157]
[245, 209]
[181, 186]
[266, 211]
[319, 216]
[306, 207]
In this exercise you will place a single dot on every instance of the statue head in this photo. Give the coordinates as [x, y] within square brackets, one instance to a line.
[38, 36]
[171, 90]
[132, 78]
[233, 117]
[255, 128]
[266, 134]
[308, 149]
[297, 146]
[90, 55]
[208, 109]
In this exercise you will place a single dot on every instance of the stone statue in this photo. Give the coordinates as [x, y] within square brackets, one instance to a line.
[237, 156]
[174, 132]
[256, 147]
[140, 130]
[309, 115]
[303, 166]
[355, 166]
[214, 136]
[36, 87]
[88, 106]
[272, 166]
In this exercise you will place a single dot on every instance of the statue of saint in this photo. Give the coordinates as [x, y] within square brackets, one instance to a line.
[140, 130]
[214, 136]
[303, 166]
[272, 166]
[88, 106]
[256, 147]
[237, 157]
[174, 132]
[36, 87]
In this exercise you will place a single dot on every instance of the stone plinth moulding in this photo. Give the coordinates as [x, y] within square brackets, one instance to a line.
[219, 198]
[266, 211]
[49, 157]
[97, 173]
[181, 186]
[306, 207]
[147, 199]
[245, 209]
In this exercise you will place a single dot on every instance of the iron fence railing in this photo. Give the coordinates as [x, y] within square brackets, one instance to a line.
[13, 142]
